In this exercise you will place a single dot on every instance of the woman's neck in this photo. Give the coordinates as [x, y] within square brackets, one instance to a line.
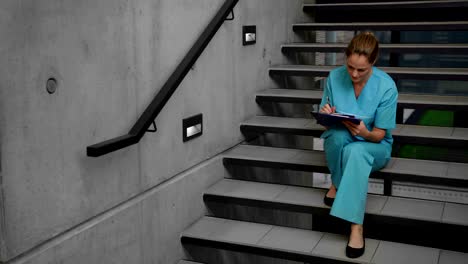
[358, 87]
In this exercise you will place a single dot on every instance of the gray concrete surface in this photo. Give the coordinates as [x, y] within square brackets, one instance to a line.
[144, 229]
[109, 58]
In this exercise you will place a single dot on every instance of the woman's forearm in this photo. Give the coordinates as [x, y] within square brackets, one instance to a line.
[376, 135]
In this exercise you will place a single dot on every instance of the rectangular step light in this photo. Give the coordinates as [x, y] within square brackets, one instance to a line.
[249, 35]
[192, 127]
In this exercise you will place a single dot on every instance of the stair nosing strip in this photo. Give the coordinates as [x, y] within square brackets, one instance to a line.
[307, 129]
[405, 99]
[277, 252]
[381, 174]
[391, 4]
[322, 209]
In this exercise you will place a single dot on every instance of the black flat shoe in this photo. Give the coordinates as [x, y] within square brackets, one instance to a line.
[328, 200]
[355, 252]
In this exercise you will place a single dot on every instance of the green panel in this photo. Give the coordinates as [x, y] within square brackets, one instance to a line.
[429, 118]
[422, 152]
[436, 118]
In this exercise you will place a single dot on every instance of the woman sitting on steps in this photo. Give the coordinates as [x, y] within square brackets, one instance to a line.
[354, 151]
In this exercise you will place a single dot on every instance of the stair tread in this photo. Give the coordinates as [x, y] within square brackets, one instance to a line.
[389, 70]
[402, 169]
[407, 26]
[392, 4]
[188, 262]
[295, 93]
[315, 96]
[390, 23]
[450, 10]
[403, 47]
[306, 244]
[309, 124]
[306, 197]
[283, 122]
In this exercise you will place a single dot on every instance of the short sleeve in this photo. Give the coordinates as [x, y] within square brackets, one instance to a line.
[326, 93]
[385, 117]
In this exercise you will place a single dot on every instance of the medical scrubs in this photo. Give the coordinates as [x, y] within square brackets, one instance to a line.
[350, 158]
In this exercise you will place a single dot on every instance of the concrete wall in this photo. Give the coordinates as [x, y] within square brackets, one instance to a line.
[110, 57]
[144, 229]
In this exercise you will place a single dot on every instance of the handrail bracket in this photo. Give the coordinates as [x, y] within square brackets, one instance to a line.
[232, 16]
[152, 130]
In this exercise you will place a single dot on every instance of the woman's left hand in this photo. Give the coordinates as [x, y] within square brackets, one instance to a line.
[356, 130]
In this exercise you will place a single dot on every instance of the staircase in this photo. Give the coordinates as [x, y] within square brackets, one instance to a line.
[271, 209]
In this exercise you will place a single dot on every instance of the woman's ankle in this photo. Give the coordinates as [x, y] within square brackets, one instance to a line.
[356, 238]
[331, 191]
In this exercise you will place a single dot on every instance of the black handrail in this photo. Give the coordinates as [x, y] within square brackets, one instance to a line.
[151, 112]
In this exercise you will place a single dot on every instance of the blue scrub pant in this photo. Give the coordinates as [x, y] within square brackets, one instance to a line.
[350, 162]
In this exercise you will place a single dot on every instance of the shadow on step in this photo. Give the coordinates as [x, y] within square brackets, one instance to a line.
[417, 232]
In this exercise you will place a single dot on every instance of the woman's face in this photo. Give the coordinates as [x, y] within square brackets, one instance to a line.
[359, 68]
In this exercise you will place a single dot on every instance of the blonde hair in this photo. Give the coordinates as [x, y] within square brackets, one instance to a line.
[365, 44]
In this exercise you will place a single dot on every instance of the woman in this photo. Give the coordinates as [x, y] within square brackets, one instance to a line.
[354, 151]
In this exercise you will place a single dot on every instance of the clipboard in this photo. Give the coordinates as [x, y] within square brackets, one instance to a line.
[333, 119]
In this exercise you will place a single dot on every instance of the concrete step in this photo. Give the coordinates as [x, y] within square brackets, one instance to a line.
[383, 26]
[389, 218]
[413, 101]
[398, 48]
[398, 169]
[305, 245]
[427, 135]
[188, 262]
[447, 10]
[396, 72]
[390, 5]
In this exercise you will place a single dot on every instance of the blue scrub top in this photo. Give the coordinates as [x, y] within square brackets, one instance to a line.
[376, 105]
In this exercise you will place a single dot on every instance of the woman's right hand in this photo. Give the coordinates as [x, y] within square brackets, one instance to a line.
[327, 109]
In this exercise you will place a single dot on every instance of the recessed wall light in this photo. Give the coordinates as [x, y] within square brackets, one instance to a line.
[249, 35]
[192, 127]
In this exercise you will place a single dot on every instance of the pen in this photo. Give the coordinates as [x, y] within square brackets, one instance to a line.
[328, 101]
